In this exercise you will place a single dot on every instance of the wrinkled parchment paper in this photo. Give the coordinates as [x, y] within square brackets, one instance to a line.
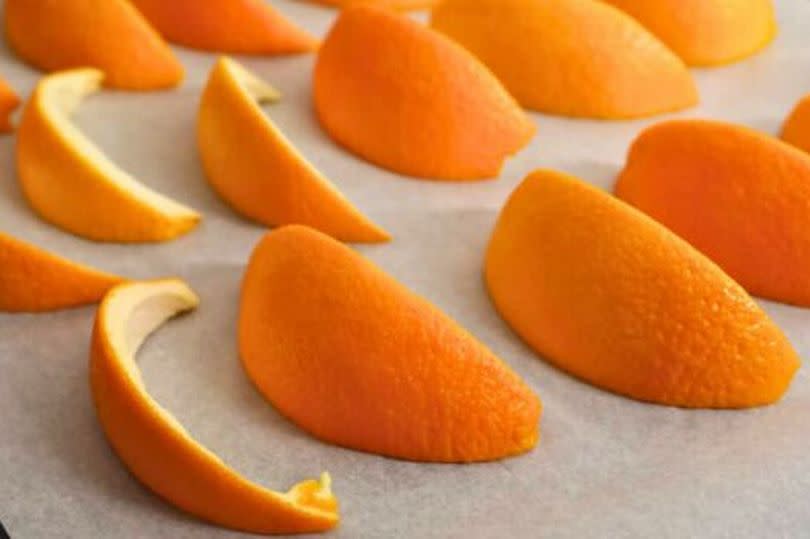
[606, 466]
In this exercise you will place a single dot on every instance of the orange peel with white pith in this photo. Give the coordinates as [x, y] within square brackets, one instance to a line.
[69, 181]
[154, 445]
[257, 170]
[35, 280]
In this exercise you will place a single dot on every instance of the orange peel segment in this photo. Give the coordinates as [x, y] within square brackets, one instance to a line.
[614, 298]
[70, 183]
[9, 101]
[796, 130]
[410, 100]
[155, 446]
[232, 26]
[570, 57]
[737, 195]
[256, 169]
[707, 32]
[404, 5]
[109, 35]
[357, 360]
[34, 280]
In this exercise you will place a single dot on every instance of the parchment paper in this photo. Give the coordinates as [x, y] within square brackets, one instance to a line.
[605, 467]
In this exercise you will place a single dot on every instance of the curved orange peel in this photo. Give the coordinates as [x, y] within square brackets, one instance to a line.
[255, 168]
[154, 445]
[356, 359]
[232, 26]
[570, 57]
[34, 280]
[410, 100]
[9, 101]
[109, 35]
[737, 195]
[614, 298]
[796, 130]
[404, 5]
[70, 183]
[707, 32]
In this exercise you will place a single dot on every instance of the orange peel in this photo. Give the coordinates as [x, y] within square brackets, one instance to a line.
[253, 166]
[410, 100]
[357, 360]
[570, 57]
[707, 32]
[737, 195]
[9, 101]
[110, 35]
[154, 445]
[232, 26]
[70, 183]
[796, 130]
[614, 298]
[34, 280]
[404, 5]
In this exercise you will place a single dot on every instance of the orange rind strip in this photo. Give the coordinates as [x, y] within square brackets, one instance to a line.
[571, 57]
[412, 101]
[34, 280]
[69, 181]
[231, 26]
[614, 298]
[110, 35]
[256, 169]
[356, 359]
[158, 450]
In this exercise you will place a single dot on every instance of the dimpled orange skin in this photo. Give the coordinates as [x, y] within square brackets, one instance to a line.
[410, 100]
[9, 101]
[253, 167]
[614, 298]
[110, 35]
[707, 32]
[232, 26]
[570, 57]
[34, 280]
[357, 360]
[796, 130]
[161, 454]
[739, 196]
[391, 4]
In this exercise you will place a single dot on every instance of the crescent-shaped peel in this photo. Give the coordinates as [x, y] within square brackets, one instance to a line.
[230, 26]
[616, 299]
[155, 446]
[257, 170]
[9, 101]
[69, 181]
[110, 35]
[35, 280]
[570, 57]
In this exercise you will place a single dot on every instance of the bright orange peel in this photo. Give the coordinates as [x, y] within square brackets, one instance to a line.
[796, 130]
[737, 195]
[356, 359]
[390, 4]
[110, 35]
[232, 26]
[34, 280]
[154, 445]
[9, 101]
[707, 32]
[570, 57]
[70, 183]
[410, 100]
[614, 298]
[256, 169]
